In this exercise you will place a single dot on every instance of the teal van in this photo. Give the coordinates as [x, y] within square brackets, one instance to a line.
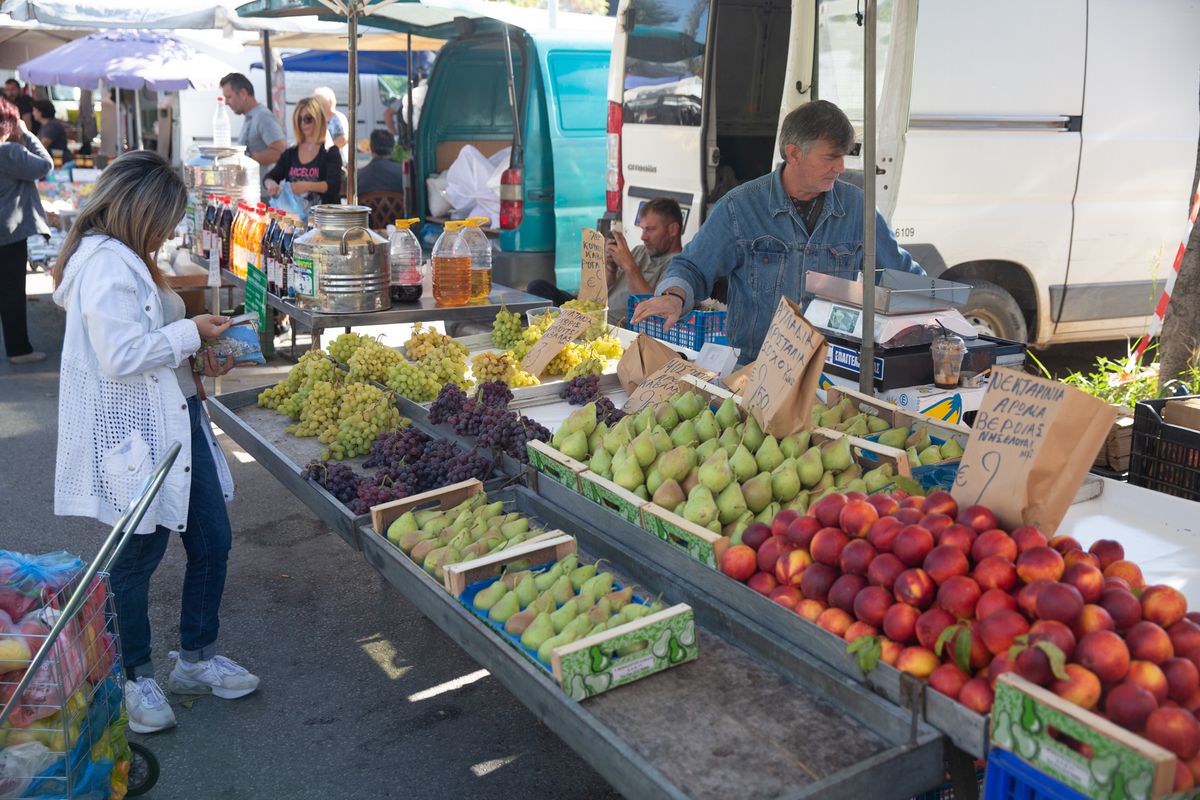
[554, 185]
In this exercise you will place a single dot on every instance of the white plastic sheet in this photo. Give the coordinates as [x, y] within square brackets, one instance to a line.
[473, 184]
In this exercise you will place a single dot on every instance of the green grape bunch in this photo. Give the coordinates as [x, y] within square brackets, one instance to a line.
[506, 328]
[596, 311]
[344, 346]
[371, 362]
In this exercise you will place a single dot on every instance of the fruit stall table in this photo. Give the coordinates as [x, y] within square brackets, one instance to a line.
[793, 727]
[425, 309]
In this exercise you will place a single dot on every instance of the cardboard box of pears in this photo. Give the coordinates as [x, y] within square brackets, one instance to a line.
[695, 470]
[530, 586]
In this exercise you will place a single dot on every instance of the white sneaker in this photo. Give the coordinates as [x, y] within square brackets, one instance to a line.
[147, 706]
[219, 675]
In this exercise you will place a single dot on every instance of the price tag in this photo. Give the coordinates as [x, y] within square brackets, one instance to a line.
[256, 295]
[1031, 446]
[564, 330]
[593, 283]
[782, 383]
[663, 384]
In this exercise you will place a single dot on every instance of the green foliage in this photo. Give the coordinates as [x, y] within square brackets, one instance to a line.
[1109, 382]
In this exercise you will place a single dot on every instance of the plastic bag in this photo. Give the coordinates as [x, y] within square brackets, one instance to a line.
[473, 183]
[26, 580]
[288, 202]
[19, 765]
[439, 203]
[240, 341]
[60, 675]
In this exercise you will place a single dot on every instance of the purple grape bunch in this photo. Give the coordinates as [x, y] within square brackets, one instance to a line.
[494, 394]
[582, 390]
[339, 479]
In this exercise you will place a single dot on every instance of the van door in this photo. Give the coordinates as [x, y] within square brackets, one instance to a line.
[662, 140]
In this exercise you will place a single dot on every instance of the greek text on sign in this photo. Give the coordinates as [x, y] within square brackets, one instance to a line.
[593, 283]
[785, 358]
[566, 329]
[663, 384]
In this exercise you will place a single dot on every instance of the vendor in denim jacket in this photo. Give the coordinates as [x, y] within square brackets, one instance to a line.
[767, 233]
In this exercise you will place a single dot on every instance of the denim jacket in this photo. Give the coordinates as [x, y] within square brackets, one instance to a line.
[755, 237]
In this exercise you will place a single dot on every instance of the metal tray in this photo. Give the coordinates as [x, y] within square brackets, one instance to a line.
[749, 717]
[895, 292]
[702, 585]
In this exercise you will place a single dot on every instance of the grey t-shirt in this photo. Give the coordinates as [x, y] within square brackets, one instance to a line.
[652, 268]
[173, 311]
[260, 129]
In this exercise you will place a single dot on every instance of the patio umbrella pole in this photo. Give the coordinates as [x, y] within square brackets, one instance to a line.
[411, 199]
[352, 69]
[866, 356]
[137, 117]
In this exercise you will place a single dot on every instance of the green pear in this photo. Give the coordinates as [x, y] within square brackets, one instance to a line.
[687, 405]
[629, 474]
[879, 477]
[644, 420]
[794, 445]
[951, 450]
[562, 590]
[634, 611]
[435, 558]
[642, 492]
[706, 449]
[919, 438]
[816, 496]
[894, 437]
[575, 446]
[715, 473]
[410, 540]
[512, 578]
[810, 467]
[752, 435]
[427, 516]
[615, 439]
[691, 481]
[486, 598]
[706, 425]
[596, 440]
[518, 623]
[730, 439]
[643, 449]
[405, 523]
[661, 439]
[831, 417]
[544, 580]
[578, 627]
[678, 510]
[684, 434]
[600, 612]
[767, 515]
[676, 463]
[423, 548]
[856, 485]
[876, 424]
[757, 491]
[743, 464]
[818, 411]
[511, 529]
[914, 458]
[599, 584]
[714, 526]
[850, 473]
[858, 427]
[731, 505]
[475, 550]
[700, 508]
[526, 591]
[785, 482]
[727, 415]
[548, 646]
[768, 456]
[931, 455]
[562, 616]
[619, 599]
[664, 415]
[437, 525]
[505, 607]
[538, 631]
[851, 420]
[490, 510]
[826, 482]
[735, 529]
[836, 455]
[668, 495]
[799, 503]
[582, 419]
[601, 463]
[654, 479]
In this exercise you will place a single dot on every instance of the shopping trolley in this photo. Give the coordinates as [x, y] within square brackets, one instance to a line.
[66, 708]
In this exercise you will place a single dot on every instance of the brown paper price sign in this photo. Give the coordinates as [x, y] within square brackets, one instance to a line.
[564, 330]
[782, 384]
[663, 384]
[1031, 446]
[593, 283]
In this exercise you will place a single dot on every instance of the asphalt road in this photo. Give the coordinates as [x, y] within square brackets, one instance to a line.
[353, 701]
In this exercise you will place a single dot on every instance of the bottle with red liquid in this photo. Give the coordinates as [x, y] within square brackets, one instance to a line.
[407, 263]
[224, 229]
[209, 227]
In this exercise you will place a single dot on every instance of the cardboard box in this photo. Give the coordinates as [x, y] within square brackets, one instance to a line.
[617, 499]
[1184, 413]
[700, 543]
[548, 461]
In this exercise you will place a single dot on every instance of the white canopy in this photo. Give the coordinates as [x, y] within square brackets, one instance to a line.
[155, 15]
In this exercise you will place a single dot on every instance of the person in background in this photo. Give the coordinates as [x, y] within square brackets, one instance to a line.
[337, 125]
[23, 161]
[261, 135]
[633, 271]
[127, 392]
[382, 174]
[395, 116]
[313, 169]
[767, 233]
[23, 102]
[52, 133]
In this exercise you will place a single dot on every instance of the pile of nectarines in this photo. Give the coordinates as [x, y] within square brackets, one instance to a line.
[954, 599]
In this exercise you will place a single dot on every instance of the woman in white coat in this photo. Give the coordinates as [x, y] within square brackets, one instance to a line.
[127, 393]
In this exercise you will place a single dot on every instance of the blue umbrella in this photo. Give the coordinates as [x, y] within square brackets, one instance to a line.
[378, 62]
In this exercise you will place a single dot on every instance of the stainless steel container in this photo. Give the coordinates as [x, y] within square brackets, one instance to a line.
[220, 171]
[340, 265]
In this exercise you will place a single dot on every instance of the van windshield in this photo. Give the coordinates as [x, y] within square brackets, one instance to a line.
[664, 62]
[840, 54]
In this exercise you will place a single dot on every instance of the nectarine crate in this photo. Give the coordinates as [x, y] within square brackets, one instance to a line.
[866, 748]
[1164, 457]
[1072, 752]
[692, 331]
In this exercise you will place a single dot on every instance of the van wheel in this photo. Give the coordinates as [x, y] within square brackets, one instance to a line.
[994, 312]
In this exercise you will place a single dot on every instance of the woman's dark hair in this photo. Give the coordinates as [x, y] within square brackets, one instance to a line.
[9, 117]
[45, 108]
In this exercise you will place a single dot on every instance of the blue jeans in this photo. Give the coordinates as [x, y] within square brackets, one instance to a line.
[206, 539]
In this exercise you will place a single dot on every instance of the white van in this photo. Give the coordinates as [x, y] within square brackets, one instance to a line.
[1040, 150]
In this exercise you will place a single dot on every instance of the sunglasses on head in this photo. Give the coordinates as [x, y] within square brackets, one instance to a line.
[307, 119]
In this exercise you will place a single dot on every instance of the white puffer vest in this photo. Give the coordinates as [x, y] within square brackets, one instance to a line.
[119, 405]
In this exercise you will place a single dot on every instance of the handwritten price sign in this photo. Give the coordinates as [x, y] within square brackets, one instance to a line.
[566, 329]
[593, 284]
[783, 379]
[663, 384]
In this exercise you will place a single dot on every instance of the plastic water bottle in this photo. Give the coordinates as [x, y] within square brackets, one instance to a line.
[452, 267]
[406, 260]
[221, 124]
[481, 258]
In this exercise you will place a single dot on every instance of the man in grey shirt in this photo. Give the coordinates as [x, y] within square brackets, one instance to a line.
[637, 271]
[262, 135]
[382, 174]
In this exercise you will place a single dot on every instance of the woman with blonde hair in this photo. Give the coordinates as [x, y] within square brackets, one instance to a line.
[127, 392]
[313, 169]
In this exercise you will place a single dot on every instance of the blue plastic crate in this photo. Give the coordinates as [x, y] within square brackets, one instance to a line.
[946, 790]
[692, 331]
[931, 476]
[1010, 778]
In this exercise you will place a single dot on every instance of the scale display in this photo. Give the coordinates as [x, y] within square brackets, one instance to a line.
[844, 319]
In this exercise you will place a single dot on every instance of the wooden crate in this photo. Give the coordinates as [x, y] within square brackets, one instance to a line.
[616, 499]
[1114, 453]
[385, 514]
[697, 541]
[881, 453]
[551, 546]
[547, 460]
